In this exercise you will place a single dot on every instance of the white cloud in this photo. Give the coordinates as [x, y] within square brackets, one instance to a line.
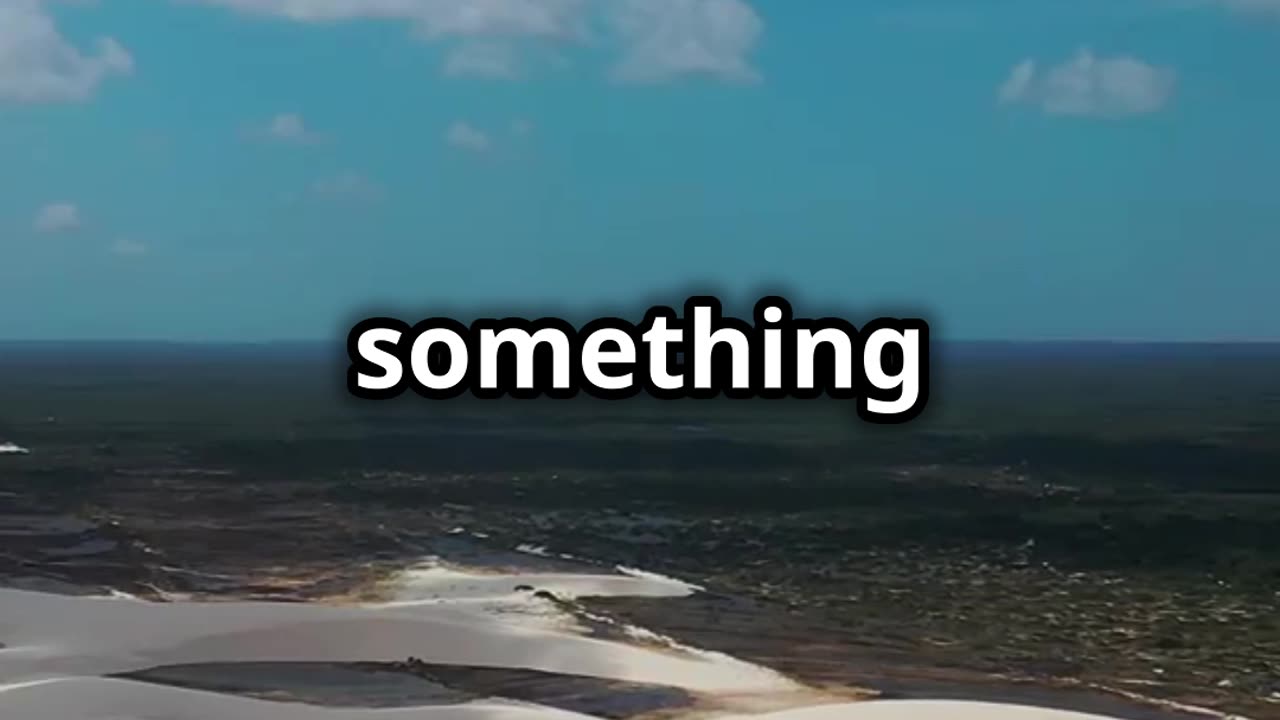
[1087, 85]
[125, 246]
[464, 136]
[39, 65]
[655, 39]
[1018, 85]
[57, 217]
[668, 38]
[482, 59]
[290, 128]
[432, 18]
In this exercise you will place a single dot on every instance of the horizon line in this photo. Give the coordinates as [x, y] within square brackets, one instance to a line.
[940, 341]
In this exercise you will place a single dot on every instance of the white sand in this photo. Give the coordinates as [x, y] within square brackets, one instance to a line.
[924, 710]
[54, 636]
[435, 583]
[58, 648]
[104, 699]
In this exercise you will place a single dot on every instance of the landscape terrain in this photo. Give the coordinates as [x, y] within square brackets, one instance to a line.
[1084, 525]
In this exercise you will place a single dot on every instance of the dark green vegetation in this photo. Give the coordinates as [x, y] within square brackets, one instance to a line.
[1106, 514]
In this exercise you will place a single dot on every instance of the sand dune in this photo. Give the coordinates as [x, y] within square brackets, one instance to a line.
[55, 652]
[435, 583]
[55, 636]
[108, 699]
[923, 710]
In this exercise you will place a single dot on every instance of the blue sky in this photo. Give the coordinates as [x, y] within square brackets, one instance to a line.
[269, 169]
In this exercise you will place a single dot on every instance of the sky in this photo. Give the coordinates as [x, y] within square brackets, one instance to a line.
[229, 170]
